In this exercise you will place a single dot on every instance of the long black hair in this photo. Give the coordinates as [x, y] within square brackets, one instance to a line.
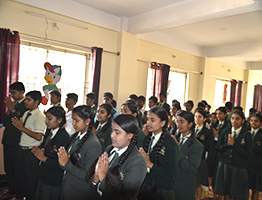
[133, 108]
[113, 178]
[109, 110]
[189, 117]
[59, 113]
[162, 114]
[84, 112]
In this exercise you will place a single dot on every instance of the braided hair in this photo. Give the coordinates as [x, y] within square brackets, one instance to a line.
[189, 117]
[133, 108]
[162, 114]
[84, 112]
[109, 110]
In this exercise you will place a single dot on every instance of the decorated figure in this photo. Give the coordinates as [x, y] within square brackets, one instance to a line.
[52, 76]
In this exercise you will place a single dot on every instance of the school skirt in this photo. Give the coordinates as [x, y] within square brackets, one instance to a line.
[255, 181]
[202, 174]
[231, 181]
[47, 192]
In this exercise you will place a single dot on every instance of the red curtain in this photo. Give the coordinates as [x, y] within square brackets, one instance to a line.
[233, 91]
[96, 71]
[257, 100]
[165, 74]
[239, 92]
[9, 64]
[156, 79]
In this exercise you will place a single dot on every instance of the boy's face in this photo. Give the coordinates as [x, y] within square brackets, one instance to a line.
[151, 103]
[89, 101]
[30, 103]
[69, 103]
[16, 95]
[188, 107]
[140, 103]
[162, 98]
[54, 99]
[107, 100]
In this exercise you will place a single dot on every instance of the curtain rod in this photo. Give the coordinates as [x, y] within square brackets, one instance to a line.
[225, 79]
[66, 43]
[178, 69]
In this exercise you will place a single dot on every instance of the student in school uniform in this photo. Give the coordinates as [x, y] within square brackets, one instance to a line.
[152, 102]
[235, 145]
[70, 102]
[255, 162]
[32, 126]
[161, 154]
[78, 155]
[172, 122]
[50, 181]
[55, 97]
[190, 154]
[108, 98]
[90, 101]
[205, 137]
[120, 171]
[103, 124]
[130, 108]
[11, 136]
[212, 119]
[189, 106]
[162, 103]
[216, 128]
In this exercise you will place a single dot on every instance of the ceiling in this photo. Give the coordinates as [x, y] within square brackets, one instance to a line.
[208, 24]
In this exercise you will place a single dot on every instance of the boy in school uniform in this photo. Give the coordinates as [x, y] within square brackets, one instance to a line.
[163, 103]
[11, 137]
[70, 102]
[32, 127]
[55, 98]
[90, 101]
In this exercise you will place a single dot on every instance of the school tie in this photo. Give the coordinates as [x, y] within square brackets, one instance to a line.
[197, 131]
[150, 144]
[253, 133]
[99, 127]
[48, 138]
[181, 142]
[28, 115]
[234, 135]
[77, 139]
[219, 126]
[116, 155]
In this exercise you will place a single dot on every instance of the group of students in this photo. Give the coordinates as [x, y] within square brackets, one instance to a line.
[164, 153]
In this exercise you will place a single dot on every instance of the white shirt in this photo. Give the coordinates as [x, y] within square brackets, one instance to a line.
[157, 136]
[199, 128]
[54, 132]
[185, 138]
[255, 131]
[35, 123]
[118, 151]
[237, 131]
[69, 126]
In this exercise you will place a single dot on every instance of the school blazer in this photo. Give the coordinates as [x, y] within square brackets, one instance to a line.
[141, 137]
[205, 137]
[166, 106]
[255, 162]
[75, 186]
[166, 170]
[132, 173]
[104, 136]
[11, 134]
[189, 161]
[238, 154]
[51, 172]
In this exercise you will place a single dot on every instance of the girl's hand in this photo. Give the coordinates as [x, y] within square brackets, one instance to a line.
[18, 123]
[170, 122]
[63, 157]
[39, 153]
[103, 166]
[145, 130]
[146, 156]
[215, 132]
[231, 140]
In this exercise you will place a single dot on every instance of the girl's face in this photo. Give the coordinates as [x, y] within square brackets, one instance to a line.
[51, 121]
[182, 125]
[220, 115]
[79, 124]
[255, 123]
[119, 137]
[236, 121]
[212, 118]
[154, 123]
[125, 110]
[102, 115]
[173, 111]
[199, 119]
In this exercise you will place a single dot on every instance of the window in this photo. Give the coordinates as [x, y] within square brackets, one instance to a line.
[32, 72]
[176, 87]
[219, 93]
